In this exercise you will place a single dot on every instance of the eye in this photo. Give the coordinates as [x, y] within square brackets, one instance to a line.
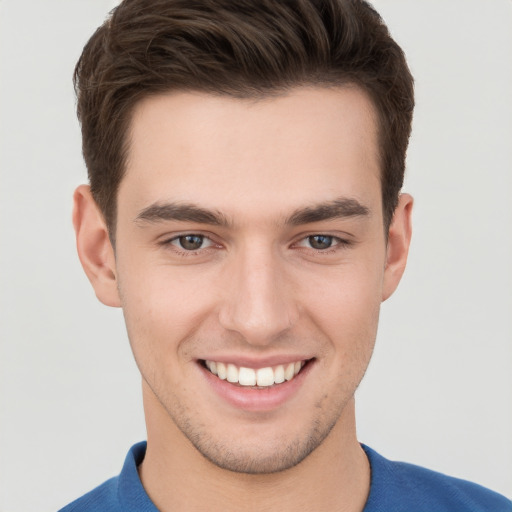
[320, 242]
[191, 242]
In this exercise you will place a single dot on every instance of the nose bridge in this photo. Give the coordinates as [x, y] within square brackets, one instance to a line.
[258, 304]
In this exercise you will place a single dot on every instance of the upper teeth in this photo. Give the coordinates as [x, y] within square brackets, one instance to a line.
[255, 377]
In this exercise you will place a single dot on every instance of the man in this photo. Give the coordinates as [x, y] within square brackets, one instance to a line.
[244, 209]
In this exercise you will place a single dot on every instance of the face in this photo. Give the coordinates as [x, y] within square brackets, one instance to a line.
[250, 264]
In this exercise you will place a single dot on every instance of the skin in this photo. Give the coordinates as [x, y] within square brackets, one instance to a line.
[255, 289]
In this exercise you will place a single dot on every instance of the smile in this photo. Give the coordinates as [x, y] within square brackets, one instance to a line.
[261, 377]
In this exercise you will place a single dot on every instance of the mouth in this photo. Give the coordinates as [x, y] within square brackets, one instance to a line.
[256, 378]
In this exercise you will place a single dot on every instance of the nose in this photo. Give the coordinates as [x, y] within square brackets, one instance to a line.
[258, 301]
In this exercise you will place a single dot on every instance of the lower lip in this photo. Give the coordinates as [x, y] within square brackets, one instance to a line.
[262, 399]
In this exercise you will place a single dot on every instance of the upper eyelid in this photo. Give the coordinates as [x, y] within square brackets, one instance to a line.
[170, 237]
[167, 244]
[204, 237]
[341, 237]
[169, 241]
[339, 241]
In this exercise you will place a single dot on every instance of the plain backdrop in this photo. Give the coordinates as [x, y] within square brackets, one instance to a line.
[439, 388]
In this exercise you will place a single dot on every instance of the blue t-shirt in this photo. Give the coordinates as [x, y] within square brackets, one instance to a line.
[395, 487]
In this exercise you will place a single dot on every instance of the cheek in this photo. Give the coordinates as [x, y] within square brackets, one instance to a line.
[347, 309]
[162, 306]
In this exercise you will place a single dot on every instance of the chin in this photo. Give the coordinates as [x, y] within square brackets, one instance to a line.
[259, 462]
[262, 454]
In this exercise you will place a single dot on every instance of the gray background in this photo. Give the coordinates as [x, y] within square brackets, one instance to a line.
[439, 389]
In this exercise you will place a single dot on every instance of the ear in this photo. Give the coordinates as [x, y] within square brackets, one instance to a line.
[94, 248]
[399, 240]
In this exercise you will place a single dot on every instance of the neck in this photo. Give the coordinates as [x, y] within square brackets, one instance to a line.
[335, 476]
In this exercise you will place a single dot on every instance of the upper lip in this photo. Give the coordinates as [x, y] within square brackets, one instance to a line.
[256, 362]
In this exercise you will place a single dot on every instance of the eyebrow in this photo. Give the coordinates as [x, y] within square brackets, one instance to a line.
[181, 212]
[188, 212]
[339, 208]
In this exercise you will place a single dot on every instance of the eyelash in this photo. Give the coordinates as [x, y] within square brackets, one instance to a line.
[184, 252]
[339, 244]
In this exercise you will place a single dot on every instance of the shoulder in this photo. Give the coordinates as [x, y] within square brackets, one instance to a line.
[124, 493]
[103, 497]
[400, 486]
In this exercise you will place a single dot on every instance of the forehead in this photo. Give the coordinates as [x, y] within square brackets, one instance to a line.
[308, 145]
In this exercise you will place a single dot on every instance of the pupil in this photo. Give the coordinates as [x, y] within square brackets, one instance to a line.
[320, 241]
[191, 242]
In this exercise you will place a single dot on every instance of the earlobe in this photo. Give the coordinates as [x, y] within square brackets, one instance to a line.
[94, 248]
[399, 240]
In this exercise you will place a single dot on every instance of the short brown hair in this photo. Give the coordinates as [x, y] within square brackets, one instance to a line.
[242, 48]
